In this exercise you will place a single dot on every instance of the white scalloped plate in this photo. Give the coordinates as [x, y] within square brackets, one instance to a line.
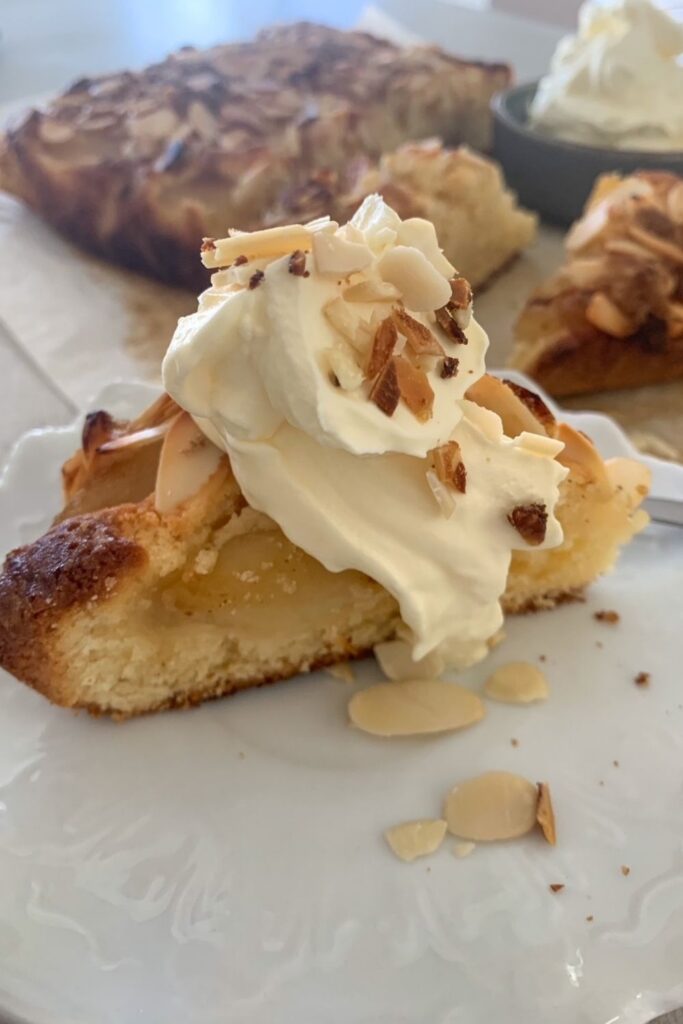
[226, 865]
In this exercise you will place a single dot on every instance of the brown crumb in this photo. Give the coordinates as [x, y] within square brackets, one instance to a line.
[625, 870]
[385, 392]
[642, 679]
[599, 643]
[601, 782]
[542, 657]
[556, 886]
[334, 380]
[208, 245]
[449, 367]
[606, 615]
[514, 742]
[241, 755]
[590, 918]
[530, 521]
[383, 345]
[255, 279]
[240, 261]
[414, 388]
[297, 264]
[615, 763]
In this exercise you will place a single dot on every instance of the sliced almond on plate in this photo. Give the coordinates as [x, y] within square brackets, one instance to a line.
[518, 682]
[416, 838]
[545, 816]
[414, 707]
[607, 317]
[496, 805]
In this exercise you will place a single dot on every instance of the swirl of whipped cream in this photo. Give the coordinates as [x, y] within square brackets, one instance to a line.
[274, 368]
[618, 81]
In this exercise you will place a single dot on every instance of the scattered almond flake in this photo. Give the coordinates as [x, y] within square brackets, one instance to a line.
[423, 288]
[442, 493]
[497, 639]
[545, 816]
[642, 679]
[420, 339]
[255, 279]
[371, 291]
[530, 521]
[413, 707]
[607, 616]
[342, 670]
[344, 368]
[205, 561]
[336, 255]
[340, 317]
[385, 392]
[625, 870]
[556, 886]
[414, 388]
[395, 658]
[449, 326]
[297, 264]
[496, 805]
[518, 682]
[464, 849]
[460, 305]
[266, 244]
[449, 368]
[383, 345]
[448, 465]
[416, 838]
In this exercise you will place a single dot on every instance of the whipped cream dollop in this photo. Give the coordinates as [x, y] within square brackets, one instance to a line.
[618, 81]
[332, 364]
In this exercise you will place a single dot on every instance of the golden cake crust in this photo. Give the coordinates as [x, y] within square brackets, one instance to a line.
[137, 167]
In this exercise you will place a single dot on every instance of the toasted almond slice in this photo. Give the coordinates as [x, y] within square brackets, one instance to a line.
[460, 306]
[372, 291]
[534, 404]
[396, 661]
[344, 367]
[413, 707]
[530, 521]
[385, 392]
[416, 838]
[448, 465]
[442, 492]
[518, 682]
[419, 338]
[187, 461]
[496, 805]
[335, 255]
[266, 244]
[669, 250]
[464, 849]
[423, 288]
[580, 451]
[446, 320]
[545, 816]
[414, 388]
[136, 440]
[516, 414]
[603, 314]
[383, 346]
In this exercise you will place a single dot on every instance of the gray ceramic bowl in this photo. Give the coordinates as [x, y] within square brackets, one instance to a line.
[552, 176]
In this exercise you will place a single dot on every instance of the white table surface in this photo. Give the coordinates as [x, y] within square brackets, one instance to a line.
[41, 50]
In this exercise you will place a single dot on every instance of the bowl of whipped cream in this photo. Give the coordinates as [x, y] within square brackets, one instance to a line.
[612, 101]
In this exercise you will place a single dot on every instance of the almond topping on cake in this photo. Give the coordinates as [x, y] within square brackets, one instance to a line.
[447, 323]
[383, 346]
[414, 388]
[530, 521]
[385, 392]
[449, 467]
[418, 337]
